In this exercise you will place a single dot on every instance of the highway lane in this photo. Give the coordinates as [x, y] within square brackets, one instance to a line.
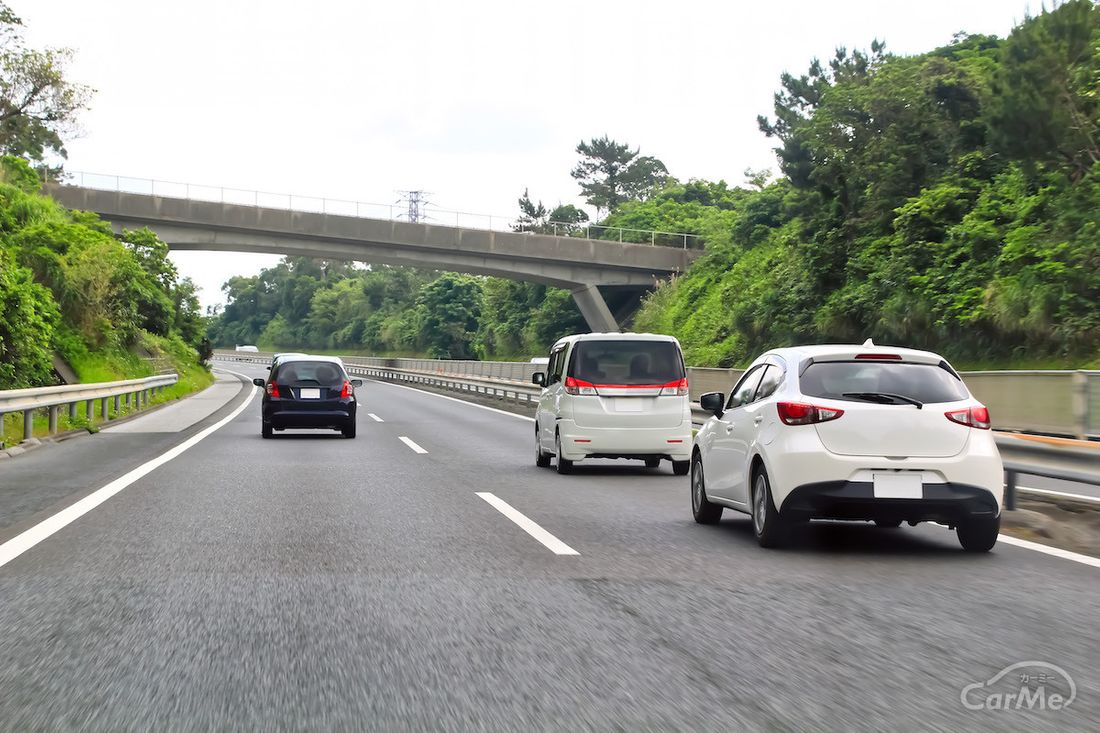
[311, 582]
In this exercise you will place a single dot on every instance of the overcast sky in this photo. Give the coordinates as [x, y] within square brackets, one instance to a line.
[472, 101]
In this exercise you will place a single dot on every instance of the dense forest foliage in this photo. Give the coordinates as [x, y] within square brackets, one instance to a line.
[111, 306]
[948, 201]
[107, 304]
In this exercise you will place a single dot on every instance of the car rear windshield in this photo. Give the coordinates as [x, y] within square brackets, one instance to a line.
[310, 372]
[627, 362]
[924, 382]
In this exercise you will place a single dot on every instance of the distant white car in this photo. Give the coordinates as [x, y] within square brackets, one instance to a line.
[614, 395]
[849, 432]
[247, 347]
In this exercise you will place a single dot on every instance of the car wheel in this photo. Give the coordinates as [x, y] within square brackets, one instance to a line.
[348, 430]
[564, 466]
[888, 523]
[265, 429]
[542, 458]
[978, 535]
[681, 468]
[652, 462]
[703, 511]
[769, 526]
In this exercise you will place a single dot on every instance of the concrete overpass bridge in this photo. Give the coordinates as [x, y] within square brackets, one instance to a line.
[606, 278]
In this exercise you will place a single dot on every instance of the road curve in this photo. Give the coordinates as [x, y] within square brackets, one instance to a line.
[315, 583]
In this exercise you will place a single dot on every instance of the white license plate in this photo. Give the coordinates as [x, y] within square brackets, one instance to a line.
[628, 404]
[309, 394]
[902, 485]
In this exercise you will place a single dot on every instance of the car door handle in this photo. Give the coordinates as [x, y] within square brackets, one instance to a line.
[758, 419]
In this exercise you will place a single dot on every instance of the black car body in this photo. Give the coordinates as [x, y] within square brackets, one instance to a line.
[308, 392]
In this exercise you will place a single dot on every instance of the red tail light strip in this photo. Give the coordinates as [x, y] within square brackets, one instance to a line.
[800, 413]
[972, 417]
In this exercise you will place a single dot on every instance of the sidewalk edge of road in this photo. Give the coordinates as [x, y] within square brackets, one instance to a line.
[244, 395]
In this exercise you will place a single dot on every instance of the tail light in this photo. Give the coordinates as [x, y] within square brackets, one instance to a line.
[799, 413]
[346, 391]
[579, 387]
[973, 417]
[879, 357]
[272, 389]
[679, 388]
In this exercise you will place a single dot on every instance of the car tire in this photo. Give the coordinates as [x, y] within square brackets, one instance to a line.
[265, 429]
[771, 528]
[565, 467]
[978, 535]
[888, 523]
[703, 510]
[652, 462]
[348, 431]
[681, 468]
[542, 458]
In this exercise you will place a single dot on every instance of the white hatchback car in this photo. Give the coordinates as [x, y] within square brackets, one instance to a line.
[849, 432]
[614, 395]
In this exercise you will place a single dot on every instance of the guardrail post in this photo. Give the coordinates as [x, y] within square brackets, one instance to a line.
[89, 410]
[53, 419]
[1080, 404]
[118, 405]
[103, 409]
[72, 410]
[1010, 490]
[28, 424]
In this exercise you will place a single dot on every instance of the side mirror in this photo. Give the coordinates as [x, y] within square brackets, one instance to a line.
[259, 381]
[712, 403]
[538, 378]
[357, 383]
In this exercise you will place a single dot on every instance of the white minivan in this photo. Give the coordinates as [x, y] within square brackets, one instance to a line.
[614, 395]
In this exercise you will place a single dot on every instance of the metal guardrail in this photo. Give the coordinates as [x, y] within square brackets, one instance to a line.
[363, 209]
[27, 401]
[1055, 402]
[501, 382]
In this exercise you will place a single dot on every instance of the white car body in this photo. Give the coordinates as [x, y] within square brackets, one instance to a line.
[641, 413]
[862, 458]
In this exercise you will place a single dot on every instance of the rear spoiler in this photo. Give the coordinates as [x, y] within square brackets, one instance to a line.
[805, 364]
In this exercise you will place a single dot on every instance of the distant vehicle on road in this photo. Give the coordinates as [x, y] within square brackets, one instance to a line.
[308, 392]
[247, 347]
[614, 395]
[849, 432]
[283, 355]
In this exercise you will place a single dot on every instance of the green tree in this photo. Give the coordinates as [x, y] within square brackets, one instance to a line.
[563, 220]
[450, 307]
[28, 317]
[37, 105]
[610, 173]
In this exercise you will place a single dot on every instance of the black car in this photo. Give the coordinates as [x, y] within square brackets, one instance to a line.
[308, 392]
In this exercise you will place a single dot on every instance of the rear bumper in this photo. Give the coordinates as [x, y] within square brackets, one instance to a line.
[947, 503]
[579, 443]
[309, 418]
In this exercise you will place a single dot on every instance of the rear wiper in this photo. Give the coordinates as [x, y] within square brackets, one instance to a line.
[878, 397]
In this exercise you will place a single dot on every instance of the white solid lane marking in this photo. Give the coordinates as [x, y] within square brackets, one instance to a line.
[550, 541]
[454, 399]
[416, 448]
[1048, 550]
[374, 417]
[1066, 494]
[19, 544]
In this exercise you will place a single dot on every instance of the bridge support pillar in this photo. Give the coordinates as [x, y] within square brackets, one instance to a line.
[594, 308]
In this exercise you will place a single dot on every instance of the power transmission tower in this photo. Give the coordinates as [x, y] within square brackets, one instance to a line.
[417, 202]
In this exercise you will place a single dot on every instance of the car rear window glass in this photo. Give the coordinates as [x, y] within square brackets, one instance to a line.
[627, 362]
[924, 382]
[312, 372]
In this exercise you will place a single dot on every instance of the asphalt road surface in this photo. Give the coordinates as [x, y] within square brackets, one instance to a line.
[386, 583]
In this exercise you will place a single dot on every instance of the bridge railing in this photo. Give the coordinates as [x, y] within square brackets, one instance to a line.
[363, 209]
